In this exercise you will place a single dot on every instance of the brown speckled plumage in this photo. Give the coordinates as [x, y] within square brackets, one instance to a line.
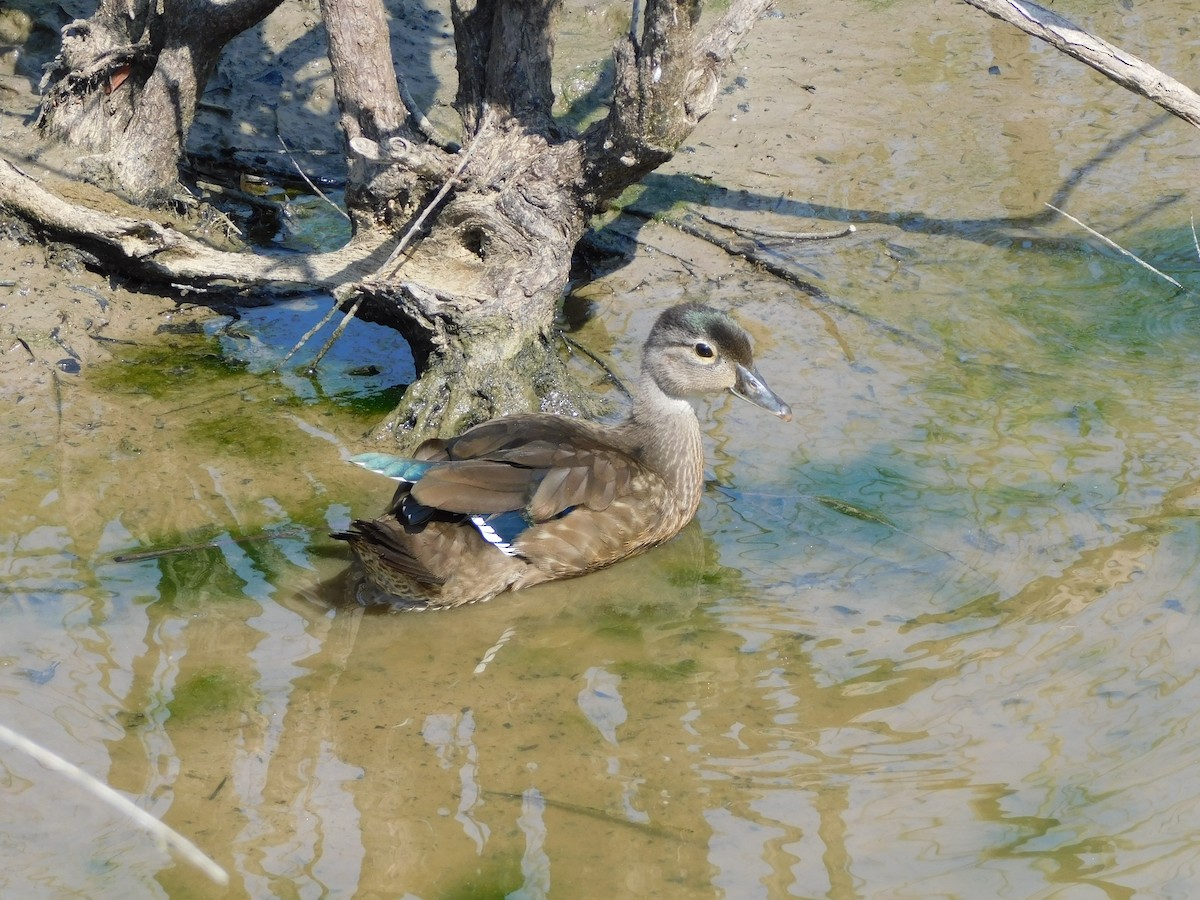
[525, 499]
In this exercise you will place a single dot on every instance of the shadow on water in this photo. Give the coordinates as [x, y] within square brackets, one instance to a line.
[671, 195]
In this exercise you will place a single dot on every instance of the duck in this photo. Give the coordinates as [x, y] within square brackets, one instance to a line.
[525, 499]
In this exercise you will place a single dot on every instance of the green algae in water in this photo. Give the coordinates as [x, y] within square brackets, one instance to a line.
[247, 436]
[682, 670]
[198, 370]
[167, 369]
[216, 691]
[372, 406]
[494, 880]
[197, 578]
[625, 621]
[711, 576]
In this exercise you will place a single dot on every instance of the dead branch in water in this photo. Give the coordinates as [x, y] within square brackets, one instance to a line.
[159, 252]
[777, 233]
[1109, 60]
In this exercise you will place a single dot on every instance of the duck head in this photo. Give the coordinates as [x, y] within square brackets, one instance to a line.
[694, 349]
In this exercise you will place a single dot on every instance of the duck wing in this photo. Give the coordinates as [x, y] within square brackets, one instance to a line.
[540, 466]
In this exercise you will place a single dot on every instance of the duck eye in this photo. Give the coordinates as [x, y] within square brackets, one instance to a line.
[704, 351]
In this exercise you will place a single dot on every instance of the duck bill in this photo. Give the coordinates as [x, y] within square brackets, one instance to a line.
[749, 385]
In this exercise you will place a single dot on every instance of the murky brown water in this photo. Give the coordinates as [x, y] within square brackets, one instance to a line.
[983, 686]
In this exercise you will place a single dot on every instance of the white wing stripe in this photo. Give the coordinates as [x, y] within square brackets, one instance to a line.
[489, 534]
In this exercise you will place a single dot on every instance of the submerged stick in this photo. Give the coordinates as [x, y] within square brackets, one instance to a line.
[609, 374]
[666, 831]
[163, 833]
[778, 233]
[143, 555]
[337, 332]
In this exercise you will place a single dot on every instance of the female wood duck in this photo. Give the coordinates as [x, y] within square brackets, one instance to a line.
[524, 499]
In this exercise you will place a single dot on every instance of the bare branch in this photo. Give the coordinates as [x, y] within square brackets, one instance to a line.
[665, 84]
[716, 49]
[1110, 61]
[103, 792]
[163, 254]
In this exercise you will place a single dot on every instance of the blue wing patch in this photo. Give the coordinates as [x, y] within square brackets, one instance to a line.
[397, 467]
[414, 513]
[502, 529]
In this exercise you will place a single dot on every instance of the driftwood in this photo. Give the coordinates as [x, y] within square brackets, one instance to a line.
[160, 253]
[1110, 61]
[476, 294]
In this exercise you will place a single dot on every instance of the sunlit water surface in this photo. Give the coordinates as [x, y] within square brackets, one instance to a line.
[937, 637]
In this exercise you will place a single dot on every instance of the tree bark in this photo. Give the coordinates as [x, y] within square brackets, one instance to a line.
[1110, 61]
[482, 331]
[390, 171]
[126, 82]
[665, 84]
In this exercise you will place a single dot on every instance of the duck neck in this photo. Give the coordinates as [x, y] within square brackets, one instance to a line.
[667, 437]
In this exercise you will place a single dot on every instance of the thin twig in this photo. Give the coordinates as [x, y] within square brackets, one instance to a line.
[1195, 240]
[143, 555]
[337, 332]
[316, 190]
[307, 336]
[422, 122]
[102, 791]
[600, 814]
[748, 251]
[1141, 262]
[386, 269]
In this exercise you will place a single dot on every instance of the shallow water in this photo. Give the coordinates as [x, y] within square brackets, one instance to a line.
[936, 637]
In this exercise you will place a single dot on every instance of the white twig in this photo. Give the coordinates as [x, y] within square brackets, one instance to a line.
[337, 332]
[1137, 259]
[316, 190]
[308, 335]
[102, 791]
[495, 648]
[464, 158]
